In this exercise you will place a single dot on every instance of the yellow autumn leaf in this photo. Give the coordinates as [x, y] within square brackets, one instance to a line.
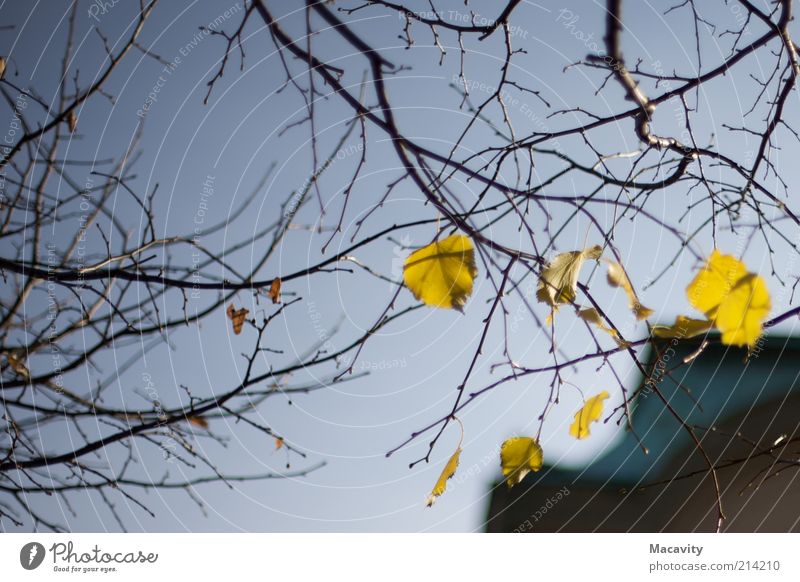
[448, 471]
[591, 315]
[740, 317]
[617, 277]
[518, 457]
[714, 281]
[734, 299]
[683, 328]
[442, 273]
[559, 279]
[589, 413]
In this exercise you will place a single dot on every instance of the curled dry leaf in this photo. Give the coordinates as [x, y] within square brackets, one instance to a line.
[441, 483]
[442, 274]
[18, 365]
[559, 279]
[589, 413]
[683, 328]
[617, 277]
[518, 457]
[237, 317]
[278, 442]
[591, 315]
[275, 290]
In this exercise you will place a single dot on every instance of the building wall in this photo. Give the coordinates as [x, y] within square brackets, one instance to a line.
[761, 494]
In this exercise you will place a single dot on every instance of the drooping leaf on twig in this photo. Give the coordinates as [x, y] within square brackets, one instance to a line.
[589, 413]
[275, 290]
[448, 471]
[617, 277]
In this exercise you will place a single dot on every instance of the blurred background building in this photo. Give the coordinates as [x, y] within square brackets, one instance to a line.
[746, 412]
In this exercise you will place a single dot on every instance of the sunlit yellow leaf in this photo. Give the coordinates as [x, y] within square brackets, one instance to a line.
[442, 273]
[740, 316]
[735, 300]
[17, 365]
[448, 471]
[559, 279]
[617, 277]
[589, 413]
[712, 284]
[518, 457]
[72, 121]
[591, 315]
[683, 328]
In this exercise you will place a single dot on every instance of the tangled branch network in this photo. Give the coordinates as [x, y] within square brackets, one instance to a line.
[234, 236]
